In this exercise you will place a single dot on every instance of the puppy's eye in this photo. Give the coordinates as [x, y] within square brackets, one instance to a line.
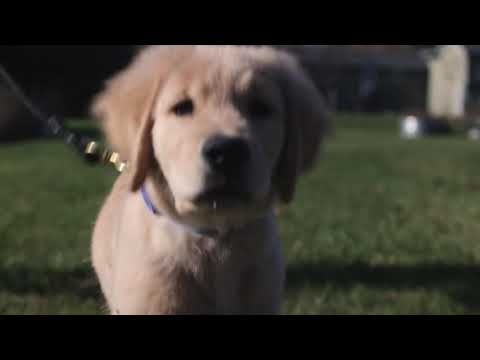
[184, 108]
[259, 108]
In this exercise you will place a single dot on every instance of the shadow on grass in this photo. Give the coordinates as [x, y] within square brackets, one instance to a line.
[80, 282]
[462, 282]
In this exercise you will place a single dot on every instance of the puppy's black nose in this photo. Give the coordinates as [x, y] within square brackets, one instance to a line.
[226, 154]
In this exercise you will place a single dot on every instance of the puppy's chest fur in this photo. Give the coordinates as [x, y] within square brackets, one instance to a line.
[171, 270]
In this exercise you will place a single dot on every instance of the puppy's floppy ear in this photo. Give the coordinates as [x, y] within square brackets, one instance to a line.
[122, 104]
[125, 107]
[143, 159]
[305, 128]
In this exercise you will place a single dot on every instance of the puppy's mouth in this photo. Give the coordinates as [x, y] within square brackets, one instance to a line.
[223, 197]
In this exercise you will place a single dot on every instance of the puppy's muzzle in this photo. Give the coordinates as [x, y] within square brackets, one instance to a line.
[227, 156]
[229, 160]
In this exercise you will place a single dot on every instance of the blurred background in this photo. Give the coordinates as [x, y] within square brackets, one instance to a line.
[387, 223]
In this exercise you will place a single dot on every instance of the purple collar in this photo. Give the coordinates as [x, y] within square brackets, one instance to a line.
[211, 233]
[148, 201]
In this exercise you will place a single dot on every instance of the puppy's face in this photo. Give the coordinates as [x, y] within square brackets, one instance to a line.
[218, 135]
[224, 131]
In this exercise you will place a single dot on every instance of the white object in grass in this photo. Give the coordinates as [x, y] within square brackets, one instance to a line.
[410, 127]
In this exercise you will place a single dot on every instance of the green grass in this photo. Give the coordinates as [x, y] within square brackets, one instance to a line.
[382, 226]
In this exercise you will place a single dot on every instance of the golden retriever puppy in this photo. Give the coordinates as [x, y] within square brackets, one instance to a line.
[215, 137]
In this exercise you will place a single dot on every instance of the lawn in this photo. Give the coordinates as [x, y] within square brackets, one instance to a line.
[382, 226]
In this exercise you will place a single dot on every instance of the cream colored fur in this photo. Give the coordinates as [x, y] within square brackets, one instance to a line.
[151, 264]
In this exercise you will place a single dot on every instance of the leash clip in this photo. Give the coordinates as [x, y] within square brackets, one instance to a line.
[93, 153]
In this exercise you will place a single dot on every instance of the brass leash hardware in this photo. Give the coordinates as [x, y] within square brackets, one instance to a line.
[95, 154]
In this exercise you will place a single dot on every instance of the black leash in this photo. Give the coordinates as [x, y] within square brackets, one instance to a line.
[89, 149]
